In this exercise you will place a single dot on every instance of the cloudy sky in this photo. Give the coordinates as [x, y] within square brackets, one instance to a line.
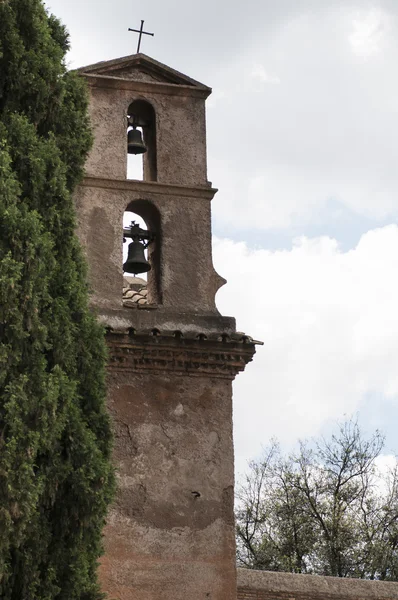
[303, 146]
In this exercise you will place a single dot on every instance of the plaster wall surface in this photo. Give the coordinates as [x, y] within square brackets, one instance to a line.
[187, 279]
[170, 534]
[266, 585]
[180, 126]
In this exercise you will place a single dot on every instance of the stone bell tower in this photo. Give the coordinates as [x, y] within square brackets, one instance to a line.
[172, 356]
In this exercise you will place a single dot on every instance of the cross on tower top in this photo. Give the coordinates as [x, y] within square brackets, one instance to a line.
[141, 32]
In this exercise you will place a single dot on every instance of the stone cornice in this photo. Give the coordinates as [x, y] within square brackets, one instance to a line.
[148, 353]
[150, 187]
[144, 64]
[171, 89]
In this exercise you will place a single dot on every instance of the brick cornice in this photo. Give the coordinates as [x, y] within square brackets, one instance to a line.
[157, 353]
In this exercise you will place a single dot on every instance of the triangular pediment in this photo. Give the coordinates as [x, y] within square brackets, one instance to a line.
[139, 67]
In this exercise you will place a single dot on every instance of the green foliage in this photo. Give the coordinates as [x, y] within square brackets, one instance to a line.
[325, 510]
[56, 480]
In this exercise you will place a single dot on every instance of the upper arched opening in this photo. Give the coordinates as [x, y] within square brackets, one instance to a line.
[141, 146]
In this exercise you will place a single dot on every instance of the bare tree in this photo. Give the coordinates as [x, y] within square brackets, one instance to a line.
[324, 509]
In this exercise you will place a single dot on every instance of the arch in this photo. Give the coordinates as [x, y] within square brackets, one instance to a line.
[151, 216]
[142, 114]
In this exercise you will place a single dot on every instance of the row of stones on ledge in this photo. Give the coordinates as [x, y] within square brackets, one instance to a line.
[238, 337]
[135, 292]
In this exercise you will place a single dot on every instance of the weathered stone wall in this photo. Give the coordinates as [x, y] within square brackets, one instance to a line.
[180, 124]
[170, 533]
[187, 279]
[265, 585]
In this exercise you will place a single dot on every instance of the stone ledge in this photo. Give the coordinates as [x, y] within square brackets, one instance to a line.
[153, 187]
[189, 324]
[292, 586]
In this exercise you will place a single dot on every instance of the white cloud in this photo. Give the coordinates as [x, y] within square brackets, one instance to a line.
[258, 72]
[287, 196]
[274, 197]
[330, 130]
[329, 323]
[216, 97]
[369, 31]
[385, 465]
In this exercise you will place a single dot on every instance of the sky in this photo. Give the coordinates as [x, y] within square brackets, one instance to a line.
[302, 133]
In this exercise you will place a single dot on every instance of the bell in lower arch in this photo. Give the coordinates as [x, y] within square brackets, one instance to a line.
[135, 145]
[136, 261]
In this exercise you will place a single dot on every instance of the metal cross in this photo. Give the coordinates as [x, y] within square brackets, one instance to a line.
[141, 31]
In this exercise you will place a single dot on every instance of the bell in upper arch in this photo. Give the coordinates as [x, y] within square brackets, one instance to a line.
[135, 145]
[136, 261]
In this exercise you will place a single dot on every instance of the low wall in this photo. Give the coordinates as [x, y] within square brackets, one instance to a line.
[265, 585]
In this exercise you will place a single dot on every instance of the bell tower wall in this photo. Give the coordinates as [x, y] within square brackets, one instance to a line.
[188, 281]
[172, 356]
[180, 124]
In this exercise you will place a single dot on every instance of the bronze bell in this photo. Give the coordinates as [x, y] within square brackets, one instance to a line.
[135, 145]
[136, 261]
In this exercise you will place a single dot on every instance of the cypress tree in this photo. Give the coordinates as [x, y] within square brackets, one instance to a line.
[56, 479]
